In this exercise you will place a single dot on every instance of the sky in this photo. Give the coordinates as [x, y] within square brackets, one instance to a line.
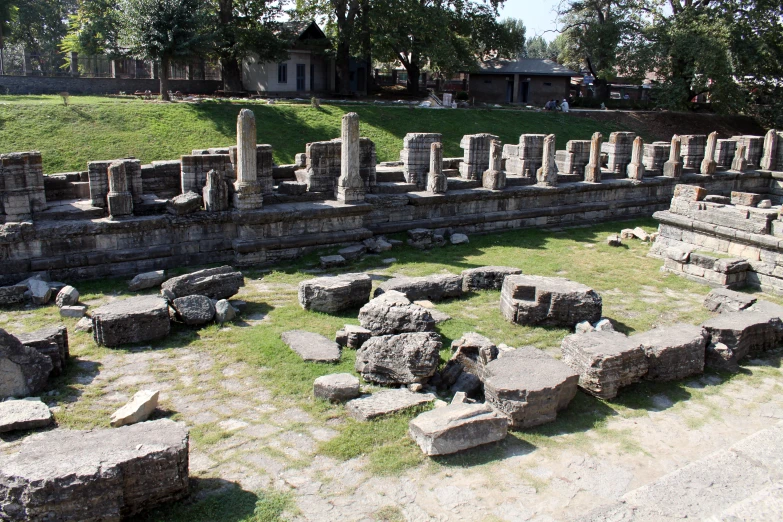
[537, 15]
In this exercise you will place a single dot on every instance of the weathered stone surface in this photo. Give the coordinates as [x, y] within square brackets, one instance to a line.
[433, 287]
[486, 277]
[138, 409]
[553, 301]
[614, 240]
[75, 311]
[337, 387]
[334, 261]
[24, 369]
[474, 352]
[735, 335]
[457, 427]
[724, 300]
[194, 310]
[51, 341]
[385, 402]
[584, 327]
[459, 239]
[84, 325]
[393, 313]
[605, 361]
[353, 252]
[183, 204]
[673, 352]
[133, 320]
[399, 359]
[604, 325]
[312, 346]
[215, 283]
[466, 383]
[529, 386]
[420, 238]
[147, 280]
[95, 475]
[40, 292]
[641, 234]
[12, 295]
[224, 311]
[352, 336]
[332, 294]
[24, 414]
[745, 198]
[67, 296]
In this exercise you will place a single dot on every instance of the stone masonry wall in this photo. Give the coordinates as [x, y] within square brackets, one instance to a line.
[54, 85]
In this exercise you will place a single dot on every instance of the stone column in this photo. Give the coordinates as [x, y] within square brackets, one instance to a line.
[494, 178]
[635, 169]
[547, 174]
[215, 192]
[350, 186]
[769, 156]
[708, 164]
[436, 180]
[247, 190]
[593, 168]
[119, 198]
[673, 167]
[739, 164]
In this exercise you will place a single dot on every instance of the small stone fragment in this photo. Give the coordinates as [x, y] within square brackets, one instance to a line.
[764, 203]
[333, 294]
[40, 292]
[76, 311]
[614, 240]
[641, 234]
[67, 296]
[84, 325]
[216, 283]
[353, 252]
[459, 239]
[584, 327]
[627, 233]
[352, 336]
[385, 402]
[224, 312]
[183, 204]
[24, 414]
[604, 325]
[138, 409]
[194, 310]
[393, 313]
[724, 300]
[147, 280]
[337, 387]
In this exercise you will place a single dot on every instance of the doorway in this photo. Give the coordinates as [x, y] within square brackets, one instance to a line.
[524, 92]
[300, 77]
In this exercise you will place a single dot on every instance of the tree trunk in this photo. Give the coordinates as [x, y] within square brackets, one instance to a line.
[344, 67]
[164, 79]
[414, 73]
[230, 68]
[232, 74]
[601, 89]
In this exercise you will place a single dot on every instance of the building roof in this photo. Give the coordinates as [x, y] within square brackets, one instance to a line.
[294, 30]
[530, 66]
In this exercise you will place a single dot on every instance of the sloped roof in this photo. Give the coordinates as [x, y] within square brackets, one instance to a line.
[297, 29]
[531, 66]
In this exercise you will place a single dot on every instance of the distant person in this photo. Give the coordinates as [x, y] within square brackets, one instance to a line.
[548, 106]
[564, 106]
[626, 97]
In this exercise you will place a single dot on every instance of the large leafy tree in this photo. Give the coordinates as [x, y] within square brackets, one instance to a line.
[8, 15]
[538, 47]
[93, 29]
[165, 30]
[38, 26]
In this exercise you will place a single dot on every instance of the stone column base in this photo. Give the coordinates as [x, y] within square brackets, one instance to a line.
[120, 203]
[349, 195]
[247, 195]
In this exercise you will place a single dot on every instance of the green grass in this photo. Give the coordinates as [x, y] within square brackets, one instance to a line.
[98, 128]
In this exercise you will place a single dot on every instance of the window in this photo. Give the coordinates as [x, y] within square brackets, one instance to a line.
[300, 77]
[282, 73]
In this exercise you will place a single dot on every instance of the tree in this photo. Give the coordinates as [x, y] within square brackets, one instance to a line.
[39, 26]
[8, 13]
[537, 47]
[92, 30]
[165, 30]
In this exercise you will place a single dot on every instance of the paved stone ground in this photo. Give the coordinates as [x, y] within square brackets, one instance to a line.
[242, 434]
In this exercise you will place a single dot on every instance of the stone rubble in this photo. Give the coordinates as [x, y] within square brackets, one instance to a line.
[393, 313]
[216, 283]
[336, 387]
[433, 287]
[194, 310]
[551, 301]
[133, 320]
[352, 336]
[404, 358]
[457, 427]
[25, 370]
[24, 414]
[312, 347]
[724, 300]
[386, 402]
[147, 280]
[333, 294]
[138, 409]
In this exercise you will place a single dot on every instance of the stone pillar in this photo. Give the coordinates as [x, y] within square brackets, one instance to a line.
[547, 174]
[74, 68]
[494, 178]
[113, 64]
[215, 192]
[476, 157]
[247, 190]
[636, 167]
[436, 180]
[740, 163]
[119, 198]
[350, 186]
[593, 168]
[708, 164]
[673, 167]
[769, 156]
[415, 156]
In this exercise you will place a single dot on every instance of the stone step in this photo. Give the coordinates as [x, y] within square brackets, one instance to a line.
[389, 175]
[395, 188]
[743, 482]
[462, 184]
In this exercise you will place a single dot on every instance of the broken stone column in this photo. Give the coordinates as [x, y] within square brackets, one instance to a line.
[119, 198]
[436, 180]
[753, 148]
[673, 167]
[769, 156]
[708, 164]
[494, 178]
[215, 193]
[593, 168]
[21, 186]
[636, 167]
[739, 163]
[476, 158]
[350, 187]
[416, 156]
[247, 189]
[547, 174]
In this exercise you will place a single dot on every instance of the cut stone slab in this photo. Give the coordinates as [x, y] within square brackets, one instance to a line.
[334, 261]
[641, 234]
[40, 292]
[67, 296]
[216, 283]
[548, 301]
[745, 198]
[385, 402]
[486, 277]
[24, 414]
[529, 386]
[104, 474]
[74, 311]
[337, 387]
[673, 352]
[735, 335]
[352, 336]
[133, 320]
[311, 346]
[224, 312]
[353, 252]
[24, 369]
[51, 341]
[393, 313]
[333, 294]
[183, 204]
[138, 409]
[474, 352]
[605, 361]
[433, 287]
[724, 300]
[194, 310]
[457, 427]
[147, 280]
[399, 359]
[459, 239]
